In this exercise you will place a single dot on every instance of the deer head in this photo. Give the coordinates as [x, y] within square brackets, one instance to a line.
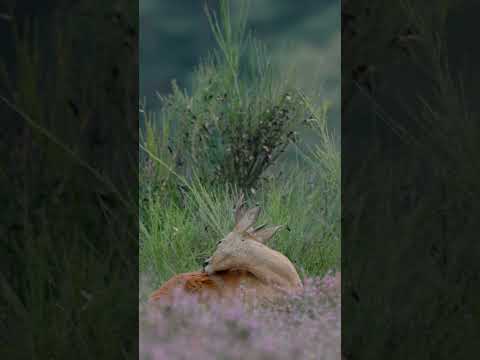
[245, 219]
[243, 248]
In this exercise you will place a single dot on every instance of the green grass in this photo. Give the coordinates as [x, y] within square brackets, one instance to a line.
[176, 238]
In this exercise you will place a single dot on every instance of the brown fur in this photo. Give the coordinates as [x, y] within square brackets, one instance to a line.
[224, 285]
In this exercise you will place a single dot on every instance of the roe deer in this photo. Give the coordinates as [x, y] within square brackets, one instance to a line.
[241, 266]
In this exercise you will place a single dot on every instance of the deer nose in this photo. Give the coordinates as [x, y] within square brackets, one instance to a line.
[205, 264]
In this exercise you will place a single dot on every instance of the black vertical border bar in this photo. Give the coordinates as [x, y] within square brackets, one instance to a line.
[69, 179]
[410, 180]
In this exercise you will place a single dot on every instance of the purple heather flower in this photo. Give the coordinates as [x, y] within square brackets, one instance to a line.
[301, 326]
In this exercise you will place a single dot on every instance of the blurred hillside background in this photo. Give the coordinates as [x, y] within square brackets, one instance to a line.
[175, 35]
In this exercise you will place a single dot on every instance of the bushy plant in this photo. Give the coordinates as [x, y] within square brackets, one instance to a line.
[241, 114]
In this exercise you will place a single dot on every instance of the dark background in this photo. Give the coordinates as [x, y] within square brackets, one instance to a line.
[68, 179]
[410, 270]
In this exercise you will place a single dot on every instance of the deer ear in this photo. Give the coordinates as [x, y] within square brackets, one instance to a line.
[265, 234]
[239, 208]
[247, 220]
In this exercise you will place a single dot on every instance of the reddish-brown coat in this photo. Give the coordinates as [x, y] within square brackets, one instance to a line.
[223, 285]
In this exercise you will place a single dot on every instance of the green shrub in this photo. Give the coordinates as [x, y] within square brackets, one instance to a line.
[242, 112]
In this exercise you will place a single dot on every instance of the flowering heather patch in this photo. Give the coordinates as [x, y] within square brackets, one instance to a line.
[305, 326]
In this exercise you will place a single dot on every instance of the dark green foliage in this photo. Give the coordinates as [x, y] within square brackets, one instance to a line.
[68, 223]
[235, 146]
[409, 234]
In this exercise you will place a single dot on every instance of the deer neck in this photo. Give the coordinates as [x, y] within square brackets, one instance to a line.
[269, 265]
